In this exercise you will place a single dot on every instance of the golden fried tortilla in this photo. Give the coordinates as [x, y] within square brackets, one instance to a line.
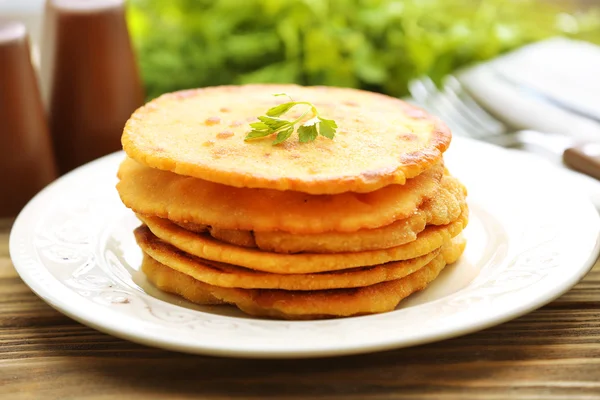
[380, 140]
[443, 208]
[296, 305]
[183, 199]
[454, 249]
[204, 246]
[227, 275]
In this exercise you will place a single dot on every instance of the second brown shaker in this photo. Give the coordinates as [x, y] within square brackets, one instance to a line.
[91, 79]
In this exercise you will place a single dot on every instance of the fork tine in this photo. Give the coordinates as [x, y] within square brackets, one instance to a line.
[429, 84]
[418, 90]
[426, 94]
[451, 111]
[454, 89]
[458, 130]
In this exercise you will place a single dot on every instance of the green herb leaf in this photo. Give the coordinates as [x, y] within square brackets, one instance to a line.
[259, 125]
[274, 124]
[280, 109]
[329, 122]
[255, 134]
[307, 133]
[327, 127]
[270, 124]
[283, 135]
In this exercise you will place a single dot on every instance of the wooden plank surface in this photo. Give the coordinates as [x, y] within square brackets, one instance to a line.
[552, 353]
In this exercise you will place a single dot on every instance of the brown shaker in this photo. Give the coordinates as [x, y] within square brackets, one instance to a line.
[91, 78]
[26, 159]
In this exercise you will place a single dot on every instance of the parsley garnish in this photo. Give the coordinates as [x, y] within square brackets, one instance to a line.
[308, 130]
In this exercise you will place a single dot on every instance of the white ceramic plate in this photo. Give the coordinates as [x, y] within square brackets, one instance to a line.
[531, 237]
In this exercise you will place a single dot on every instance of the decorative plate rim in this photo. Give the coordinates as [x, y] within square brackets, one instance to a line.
[254, 332]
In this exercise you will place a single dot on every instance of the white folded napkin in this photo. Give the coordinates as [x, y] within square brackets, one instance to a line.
[550, 86]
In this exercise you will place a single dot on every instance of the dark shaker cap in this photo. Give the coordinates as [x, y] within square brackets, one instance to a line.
[82, 6]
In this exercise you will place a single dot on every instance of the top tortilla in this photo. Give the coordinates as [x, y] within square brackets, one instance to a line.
[200, 133]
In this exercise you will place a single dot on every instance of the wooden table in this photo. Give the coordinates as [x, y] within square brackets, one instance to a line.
[552, 353]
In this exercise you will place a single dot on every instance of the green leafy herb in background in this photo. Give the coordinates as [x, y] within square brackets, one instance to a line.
[308, 131]
[373, 44]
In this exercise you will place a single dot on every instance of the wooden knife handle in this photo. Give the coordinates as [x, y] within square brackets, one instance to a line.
[584, 158]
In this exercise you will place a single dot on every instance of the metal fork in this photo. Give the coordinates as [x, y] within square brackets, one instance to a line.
[459, 110]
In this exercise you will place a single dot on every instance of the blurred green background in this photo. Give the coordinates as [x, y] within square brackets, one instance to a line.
[373, 44]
